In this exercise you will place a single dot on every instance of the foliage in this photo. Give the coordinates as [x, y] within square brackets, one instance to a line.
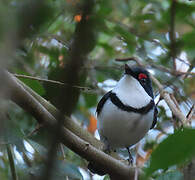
[36, 38]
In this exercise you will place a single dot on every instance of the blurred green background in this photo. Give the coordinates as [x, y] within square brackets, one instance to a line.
[42, 38]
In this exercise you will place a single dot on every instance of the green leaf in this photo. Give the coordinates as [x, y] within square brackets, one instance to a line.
[33, 84]
[174, 175]
[183, 10]
[11, 132]
[108, 49]
[40, 149]
[31, 16]
[90, 100]
[189, 40]
[106, 177]
[175, 149]
[105, 8]
[127, 36]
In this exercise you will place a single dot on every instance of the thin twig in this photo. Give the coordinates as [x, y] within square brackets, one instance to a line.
[5, 143]
[175, 73]
[183, 61]
[164, 94]
[159, 67]
[37, 128]
[11, 162]
[175, 102]
[190, 114]
[53, 82]
[38, 79]
[62, 150]
[170, 103]
[190, 69]
[57, 38]
[135, 32]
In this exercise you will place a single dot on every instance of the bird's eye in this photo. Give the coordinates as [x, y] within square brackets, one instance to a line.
[142, 77]
[143, 80]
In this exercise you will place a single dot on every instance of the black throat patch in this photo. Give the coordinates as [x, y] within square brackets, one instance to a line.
[143, 110]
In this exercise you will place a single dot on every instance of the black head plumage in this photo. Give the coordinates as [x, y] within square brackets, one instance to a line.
[142, 75]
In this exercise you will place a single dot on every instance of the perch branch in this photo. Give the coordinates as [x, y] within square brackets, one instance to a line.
[23, 98]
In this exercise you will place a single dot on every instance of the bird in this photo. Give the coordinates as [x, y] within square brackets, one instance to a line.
[127, 112]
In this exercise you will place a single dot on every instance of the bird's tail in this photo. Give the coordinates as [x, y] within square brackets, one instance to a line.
[96, 168]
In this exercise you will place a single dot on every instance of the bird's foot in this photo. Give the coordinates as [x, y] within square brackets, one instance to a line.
[107, 149]
[130, 160]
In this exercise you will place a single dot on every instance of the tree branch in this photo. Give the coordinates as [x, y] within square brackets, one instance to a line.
[166, 96]
[69, 123]
[23, 98]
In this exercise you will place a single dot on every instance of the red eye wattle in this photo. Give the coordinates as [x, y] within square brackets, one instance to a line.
[142, 76]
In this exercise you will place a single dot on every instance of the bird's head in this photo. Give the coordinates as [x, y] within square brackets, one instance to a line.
[142, 76]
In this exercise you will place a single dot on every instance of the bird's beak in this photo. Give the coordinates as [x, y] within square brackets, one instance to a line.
[128, 70]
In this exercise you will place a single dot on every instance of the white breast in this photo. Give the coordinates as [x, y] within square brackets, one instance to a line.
[131, 93]
[121, 128]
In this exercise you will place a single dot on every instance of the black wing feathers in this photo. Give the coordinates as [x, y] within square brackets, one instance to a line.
[155, 117]
[102, 102]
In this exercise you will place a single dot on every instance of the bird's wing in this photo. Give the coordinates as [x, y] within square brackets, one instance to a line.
[155, 117]
[102, 102]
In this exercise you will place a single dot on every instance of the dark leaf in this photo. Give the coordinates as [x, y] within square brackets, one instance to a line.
[175, 149]
[172, 175]
[90, 100]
